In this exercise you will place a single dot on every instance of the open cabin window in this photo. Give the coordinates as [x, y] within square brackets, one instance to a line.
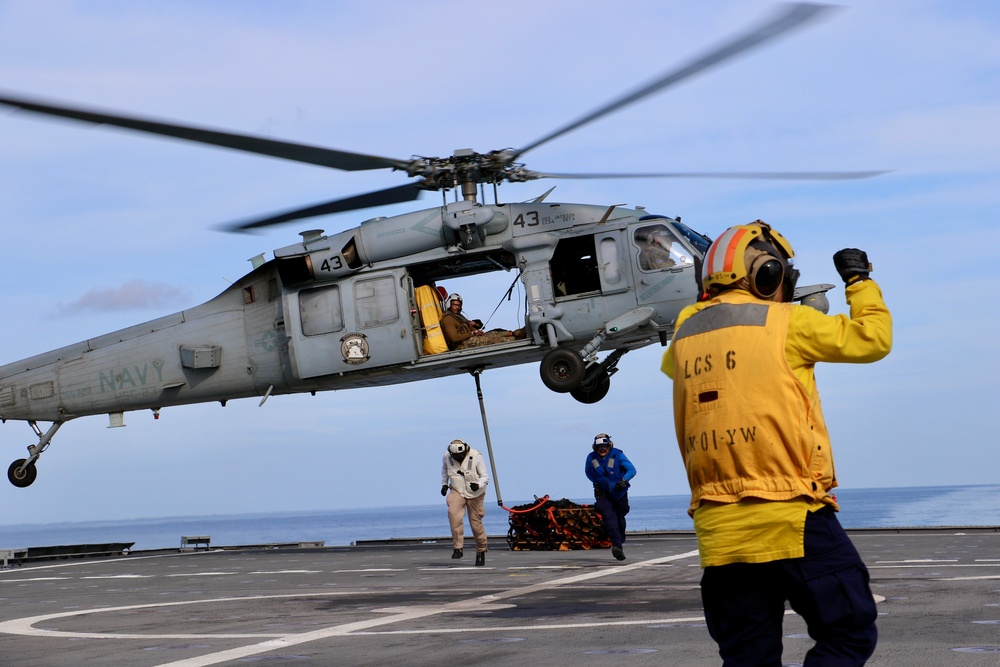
[350, 254]
[295, 270]
[320, 310]
[375, 302]
[574, 267]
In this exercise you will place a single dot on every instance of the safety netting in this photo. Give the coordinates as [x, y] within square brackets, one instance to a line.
[555, 525]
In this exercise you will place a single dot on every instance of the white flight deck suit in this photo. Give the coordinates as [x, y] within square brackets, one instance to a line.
[458, 477]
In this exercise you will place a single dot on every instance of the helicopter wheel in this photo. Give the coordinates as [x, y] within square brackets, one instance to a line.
[562, 370]
[21, 478]
[593, 390]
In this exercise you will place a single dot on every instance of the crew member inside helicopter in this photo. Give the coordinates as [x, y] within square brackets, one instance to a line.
[660, 249]
[462, 333]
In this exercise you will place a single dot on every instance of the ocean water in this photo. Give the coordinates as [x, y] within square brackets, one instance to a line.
[860, 508]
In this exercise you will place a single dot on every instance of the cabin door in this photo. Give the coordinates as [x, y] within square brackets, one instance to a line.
[358, 323]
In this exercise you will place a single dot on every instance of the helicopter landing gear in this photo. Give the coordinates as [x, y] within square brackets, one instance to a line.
[591, 391]
[597, 381]
[562, 370]
[23, 472]
[565, 371]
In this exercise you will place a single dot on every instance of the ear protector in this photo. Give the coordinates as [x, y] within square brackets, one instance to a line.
[766, 270]
[753, 257]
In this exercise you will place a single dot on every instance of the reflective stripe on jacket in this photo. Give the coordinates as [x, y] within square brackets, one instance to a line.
[605, 471]
[458, 476]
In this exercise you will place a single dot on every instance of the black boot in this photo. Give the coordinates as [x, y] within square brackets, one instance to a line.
[480, 558]
[618, 553]
[457, 553]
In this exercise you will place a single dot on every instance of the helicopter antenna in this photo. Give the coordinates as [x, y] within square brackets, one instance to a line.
[540, 198]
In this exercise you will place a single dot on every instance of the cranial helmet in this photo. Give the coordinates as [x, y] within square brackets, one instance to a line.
[454, 296]
[458, 448]
[753, 257]
[602, 439]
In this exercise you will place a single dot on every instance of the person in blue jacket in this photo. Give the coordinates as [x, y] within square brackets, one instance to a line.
[610, 470]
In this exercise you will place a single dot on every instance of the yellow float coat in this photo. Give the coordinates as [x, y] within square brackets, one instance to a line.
[746, 426]
[753, 460]
[430, 316]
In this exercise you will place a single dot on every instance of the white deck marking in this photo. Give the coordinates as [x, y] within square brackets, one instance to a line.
[25, 626]
[412, 614]
[936, 564]
[370, 569]
[92, 563]
[553, 626]
[918, 560]
[272, 642]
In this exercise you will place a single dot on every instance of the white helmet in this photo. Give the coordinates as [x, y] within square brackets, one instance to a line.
[602, 440]
[454, 296]
[458, 448]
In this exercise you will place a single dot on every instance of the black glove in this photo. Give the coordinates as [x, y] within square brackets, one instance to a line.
[473, 486]
[444, 489]
[852, 265]
[621, 485]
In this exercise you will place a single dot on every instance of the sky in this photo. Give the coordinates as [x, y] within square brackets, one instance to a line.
[105, 228]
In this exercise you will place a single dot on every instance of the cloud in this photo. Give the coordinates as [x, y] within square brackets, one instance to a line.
[133, 295]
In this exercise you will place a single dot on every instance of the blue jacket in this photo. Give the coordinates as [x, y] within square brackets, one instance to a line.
[605, 472]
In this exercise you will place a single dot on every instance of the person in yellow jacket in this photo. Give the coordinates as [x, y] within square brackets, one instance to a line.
[757, 453]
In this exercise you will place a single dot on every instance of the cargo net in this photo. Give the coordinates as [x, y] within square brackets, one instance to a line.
[555, 525]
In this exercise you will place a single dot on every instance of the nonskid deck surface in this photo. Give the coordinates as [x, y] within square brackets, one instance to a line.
[411, 604]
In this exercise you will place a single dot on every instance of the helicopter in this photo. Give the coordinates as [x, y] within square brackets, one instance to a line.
[362, 307]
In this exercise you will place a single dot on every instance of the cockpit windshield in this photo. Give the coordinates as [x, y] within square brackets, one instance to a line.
[659, 248]
[699, 241]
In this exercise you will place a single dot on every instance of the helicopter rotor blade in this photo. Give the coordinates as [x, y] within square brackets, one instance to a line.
[527, 175]
[325, 157]
[396, 195]
[792, 17]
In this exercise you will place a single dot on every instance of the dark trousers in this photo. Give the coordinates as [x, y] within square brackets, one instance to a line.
[613, 513]
[745, 602]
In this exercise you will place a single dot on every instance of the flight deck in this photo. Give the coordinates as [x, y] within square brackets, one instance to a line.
[408, 603]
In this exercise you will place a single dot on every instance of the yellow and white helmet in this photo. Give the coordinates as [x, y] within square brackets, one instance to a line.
[753, 257]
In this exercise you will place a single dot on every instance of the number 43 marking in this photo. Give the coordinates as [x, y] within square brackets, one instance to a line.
[532, 219]
[331, 264]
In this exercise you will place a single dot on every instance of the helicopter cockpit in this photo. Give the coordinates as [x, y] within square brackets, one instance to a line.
[659, 248]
